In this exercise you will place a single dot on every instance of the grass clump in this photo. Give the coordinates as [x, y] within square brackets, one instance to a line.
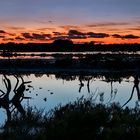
[81, 119]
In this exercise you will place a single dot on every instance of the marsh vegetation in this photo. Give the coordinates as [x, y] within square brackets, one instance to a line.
[82, 119]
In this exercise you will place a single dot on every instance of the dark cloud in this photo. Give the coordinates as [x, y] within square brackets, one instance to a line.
[39, 36]
[8, 39]
[11, 34]
[2, 32]
[19, 38]
[68, 37]
[36, 36]
[74, 34]
[27, 35]
[57, 33]
[130, 36]
[60, 38]
[97, 35]
[77, 37]
[2, 36]
[116, 36]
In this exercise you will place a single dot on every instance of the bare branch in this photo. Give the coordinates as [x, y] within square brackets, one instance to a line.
[15, 88]
[2, 93]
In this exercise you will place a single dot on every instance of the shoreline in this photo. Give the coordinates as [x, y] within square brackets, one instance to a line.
[85, 72]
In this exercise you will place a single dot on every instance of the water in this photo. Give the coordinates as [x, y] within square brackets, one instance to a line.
[47, 91]
[53, 55]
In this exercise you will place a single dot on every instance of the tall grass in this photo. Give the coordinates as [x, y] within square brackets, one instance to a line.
[81, 119]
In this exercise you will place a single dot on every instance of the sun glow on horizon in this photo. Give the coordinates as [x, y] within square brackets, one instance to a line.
[99, 32]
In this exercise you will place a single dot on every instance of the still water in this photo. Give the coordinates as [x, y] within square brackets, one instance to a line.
[47, 91]
[54, 55]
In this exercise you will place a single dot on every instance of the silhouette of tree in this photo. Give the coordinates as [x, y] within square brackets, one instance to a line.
[19, 89]
[81, 83]
[4, 100]
[136, 86]
[19, 95]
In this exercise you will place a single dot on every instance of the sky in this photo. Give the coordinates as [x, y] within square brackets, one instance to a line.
[102, 21]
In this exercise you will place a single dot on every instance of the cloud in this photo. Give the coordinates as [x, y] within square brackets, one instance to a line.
[134, 28]
[36, 36]
[97, 35]
[19, 38]
[27, 35]
[57, 33]
[39, 36]
[8, 39]
[43, 29]
[11, 34]
[15, 28]
[130, 36]
[105, 24]
[69, 27]
[74, 34]
[77, 37]
[1, 36]
[117, 36]
[2, 32]
[60, 37]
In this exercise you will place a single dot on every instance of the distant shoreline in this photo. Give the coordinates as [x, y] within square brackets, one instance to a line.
[67, 46]
[44, 67]
[89, 64]
[70, 71]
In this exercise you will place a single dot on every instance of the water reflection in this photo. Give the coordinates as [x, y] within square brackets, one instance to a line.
[15, 102]
[52, 90]
[84, 78]
[136, 86]
[108, 79]
[4, 100]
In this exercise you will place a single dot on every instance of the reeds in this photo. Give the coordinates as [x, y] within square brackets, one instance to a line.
[81, 119]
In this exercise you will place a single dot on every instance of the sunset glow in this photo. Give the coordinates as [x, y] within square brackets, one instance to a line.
[102, 21]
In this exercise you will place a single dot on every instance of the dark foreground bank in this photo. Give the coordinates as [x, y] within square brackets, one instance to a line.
[79, 120]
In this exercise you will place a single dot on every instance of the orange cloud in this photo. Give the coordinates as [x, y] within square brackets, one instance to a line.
[42, 34]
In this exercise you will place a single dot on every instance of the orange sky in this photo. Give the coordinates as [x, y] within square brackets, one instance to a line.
[24, 21]
[45, 34]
